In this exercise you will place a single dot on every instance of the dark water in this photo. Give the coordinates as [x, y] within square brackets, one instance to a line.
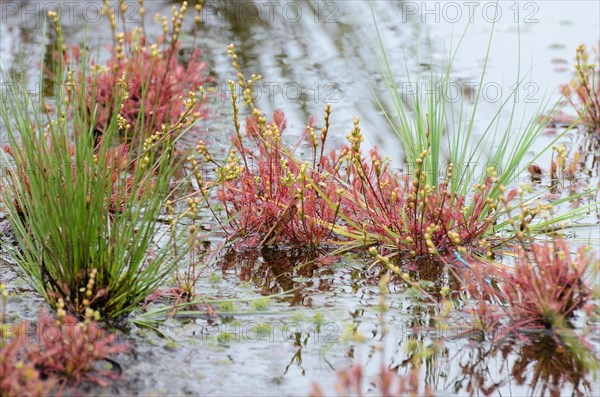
[311, 53]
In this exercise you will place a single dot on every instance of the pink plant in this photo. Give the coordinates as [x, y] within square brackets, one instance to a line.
[19, 375]
[583, 93]
[147, 82]
[270, 194]
[547, 285]
[65, 352]
[69, 350]
[156, 82]
[543, 290]
[404, 213]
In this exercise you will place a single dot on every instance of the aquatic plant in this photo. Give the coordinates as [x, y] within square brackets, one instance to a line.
[404, 213]
[429, 121]
[91, 242]
[548, 285]
[64, 352]
[156, 76]
[436, 208]
[265, 188]
[68, 350]
[543, 291]
[18, 375]
[271, 196]
[583, 93]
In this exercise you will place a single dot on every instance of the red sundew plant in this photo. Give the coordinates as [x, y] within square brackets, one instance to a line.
[156, 78]
[583, 93]
[18, 373]
[404, 213]
[66, 353]
[547, 285]
[69, 350]
[63, 352]
[543, 291]
[268, 193]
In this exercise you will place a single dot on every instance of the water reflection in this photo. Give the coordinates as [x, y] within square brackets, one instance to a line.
[273, 271]
[540, 364]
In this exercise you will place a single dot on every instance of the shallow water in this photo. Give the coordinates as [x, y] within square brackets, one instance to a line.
[311, 53]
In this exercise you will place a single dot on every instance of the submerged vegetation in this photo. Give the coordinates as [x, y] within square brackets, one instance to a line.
[96, 201]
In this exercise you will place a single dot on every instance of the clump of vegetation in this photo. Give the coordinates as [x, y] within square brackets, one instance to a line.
[455, 198]
[65, 352]
[272, 196]
[548, 285]
[18, 374]
[543, 291]
[405, 213]
[583, 93]
[267, 191]
[156, 75]
[91, 244]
